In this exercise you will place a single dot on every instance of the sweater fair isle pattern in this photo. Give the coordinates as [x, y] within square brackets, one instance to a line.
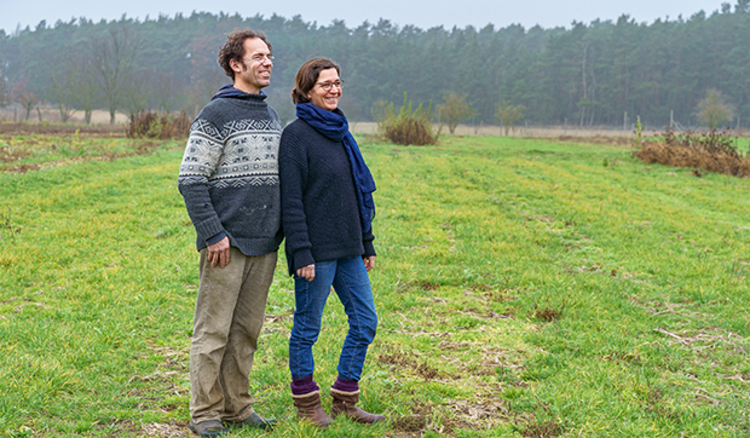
[229, 174]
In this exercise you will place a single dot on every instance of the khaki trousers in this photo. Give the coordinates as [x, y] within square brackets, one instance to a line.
[229, 315]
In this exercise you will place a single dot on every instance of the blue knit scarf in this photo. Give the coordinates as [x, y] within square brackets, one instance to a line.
[333, 124]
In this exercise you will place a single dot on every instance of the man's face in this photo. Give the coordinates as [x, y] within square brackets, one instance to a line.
[253, 71]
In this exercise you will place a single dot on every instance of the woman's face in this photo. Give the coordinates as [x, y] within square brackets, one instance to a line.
[326, 92]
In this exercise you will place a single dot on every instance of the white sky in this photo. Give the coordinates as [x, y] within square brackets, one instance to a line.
[422, 13]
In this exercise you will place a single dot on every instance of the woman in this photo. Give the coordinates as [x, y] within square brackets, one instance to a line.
[326, 210]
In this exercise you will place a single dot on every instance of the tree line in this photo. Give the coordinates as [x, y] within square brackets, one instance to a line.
[601, 73]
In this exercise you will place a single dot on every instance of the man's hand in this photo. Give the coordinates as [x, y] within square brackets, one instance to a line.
[218, 253]
[307, 272]
[369, 262]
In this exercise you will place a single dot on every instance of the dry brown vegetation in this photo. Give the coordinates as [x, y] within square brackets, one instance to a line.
[595, 138]
[713, 151]
[151, 124]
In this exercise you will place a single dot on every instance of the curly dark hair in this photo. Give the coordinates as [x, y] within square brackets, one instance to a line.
[234, 47]
[308, 75]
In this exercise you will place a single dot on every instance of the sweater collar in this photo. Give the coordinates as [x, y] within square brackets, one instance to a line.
[228, 91]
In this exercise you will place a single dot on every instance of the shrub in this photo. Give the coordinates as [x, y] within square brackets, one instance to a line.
[407, 127]
[151, 124]
[508, 114]
[713, 151]
[713, 110]
[454, 110]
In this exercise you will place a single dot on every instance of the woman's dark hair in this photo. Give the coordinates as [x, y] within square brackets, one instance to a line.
[307, 76]
[234, 47]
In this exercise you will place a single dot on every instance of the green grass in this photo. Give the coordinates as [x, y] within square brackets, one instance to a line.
[524, 288]
[21, 153]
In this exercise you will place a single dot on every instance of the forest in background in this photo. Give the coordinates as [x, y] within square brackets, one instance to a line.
[599, 74]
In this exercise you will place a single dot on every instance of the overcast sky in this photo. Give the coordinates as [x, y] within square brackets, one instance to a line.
[422, 13]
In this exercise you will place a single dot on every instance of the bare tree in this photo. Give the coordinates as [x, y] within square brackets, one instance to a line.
[112, 59]
[24, 97]
[454, 110]
[64, 73]
[713, 110]
[74, 84]
[4, 94]
[509, 114]
[166, 91]
[28, 101]
[137, 92]
[205, 74]
[85, 86]
[86, 92]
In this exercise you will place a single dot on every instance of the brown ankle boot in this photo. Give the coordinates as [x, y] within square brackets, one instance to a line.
[309, 408]
[344, 404]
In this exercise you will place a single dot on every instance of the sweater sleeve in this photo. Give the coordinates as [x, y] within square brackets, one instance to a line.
[367, 239]
[293, 173]
[202, 154]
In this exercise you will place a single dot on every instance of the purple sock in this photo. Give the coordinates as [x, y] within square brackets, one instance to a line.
[305, 385]
[346, 385]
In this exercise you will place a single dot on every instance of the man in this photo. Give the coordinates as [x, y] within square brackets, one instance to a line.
[229, 179]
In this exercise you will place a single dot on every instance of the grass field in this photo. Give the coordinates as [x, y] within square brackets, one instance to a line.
[525, 289]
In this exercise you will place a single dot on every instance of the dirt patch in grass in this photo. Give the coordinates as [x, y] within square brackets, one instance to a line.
[22, 168]
[414, 423]
[51, 155]
[549, 313]
[485, 361]
[502, 296]
[624, 357]
[410, 423]
[118, 427]
[597, 139]
[410, 362]
[428, 285]
[9, 154]
[545, 429]
[166, 430]
[9, 128]
[708, 339]
[657, 406]
[175, 359]
[477, 415]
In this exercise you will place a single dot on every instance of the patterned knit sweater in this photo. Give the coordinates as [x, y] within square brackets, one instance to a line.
[318, 202]
[229, 174]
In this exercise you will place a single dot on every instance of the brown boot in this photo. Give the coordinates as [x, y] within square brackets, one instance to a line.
[308, 407]
[344, 404]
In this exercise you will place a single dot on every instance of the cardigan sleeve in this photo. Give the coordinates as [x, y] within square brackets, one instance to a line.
[293, 173]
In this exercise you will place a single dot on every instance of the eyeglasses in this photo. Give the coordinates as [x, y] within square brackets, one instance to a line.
[326, 86]
[262, 58]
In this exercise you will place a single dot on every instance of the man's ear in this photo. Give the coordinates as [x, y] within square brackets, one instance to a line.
[235, 65]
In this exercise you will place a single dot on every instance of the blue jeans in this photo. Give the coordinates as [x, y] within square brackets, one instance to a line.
[349, 279]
